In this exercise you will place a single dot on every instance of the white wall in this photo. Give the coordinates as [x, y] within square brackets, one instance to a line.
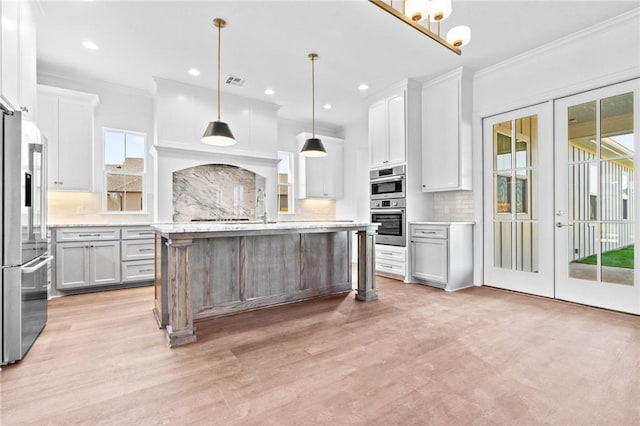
[120, 107]
[598, 56]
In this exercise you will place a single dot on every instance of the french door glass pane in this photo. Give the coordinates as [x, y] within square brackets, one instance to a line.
[515, 194]
[616, 171]
[600, 180]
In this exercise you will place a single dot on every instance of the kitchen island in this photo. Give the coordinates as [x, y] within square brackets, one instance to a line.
[204, 270]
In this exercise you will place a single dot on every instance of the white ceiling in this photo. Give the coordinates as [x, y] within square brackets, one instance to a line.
[267, 42]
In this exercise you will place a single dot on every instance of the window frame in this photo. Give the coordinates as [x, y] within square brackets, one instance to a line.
[291, 184]
[142, 175]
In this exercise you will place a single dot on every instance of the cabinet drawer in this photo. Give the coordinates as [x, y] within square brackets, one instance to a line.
[137, 233]
[87, 234]
[430, 231]
[398, 254]
[138, 270]
[390, 267]
[138, 249]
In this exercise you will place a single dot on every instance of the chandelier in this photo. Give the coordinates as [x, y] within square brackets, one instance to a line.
[420, 14]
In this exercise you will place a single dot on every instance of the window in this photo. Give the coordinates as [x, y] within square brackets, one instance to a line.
[124, 170]
[285, 182]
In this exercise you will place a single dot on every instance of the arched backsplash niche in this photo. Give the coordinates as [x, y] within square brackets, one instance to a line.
[217, 192]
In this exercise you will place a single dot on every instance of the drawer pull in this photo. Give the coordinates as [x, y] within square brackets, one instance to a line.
[145, 270]
[387, 253]
[386, 266]
[88, 235]
[145, 233]
[146, 249]
[428, 232]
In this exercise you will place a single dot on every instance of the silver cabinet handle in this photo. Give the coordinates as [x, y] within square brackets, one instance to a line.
[386, 266]
[146, 270]
[146, 250]
[387, 253]
[428, 232]
[145, 233]
[563, 225]
[89, 235]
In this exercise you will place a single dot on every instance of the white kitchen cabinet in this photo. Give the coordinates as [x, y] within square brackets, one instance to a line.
[391, 261]
[446, 132]
[10, 64]
[18, 57]
[321, 177]
[442, 254]
[65, 118]
[87, 263]
[387, 130]
[89, 257]
[27, 61]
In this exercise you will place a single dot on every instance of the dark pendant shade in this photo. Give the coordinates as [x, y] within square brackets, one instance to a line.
[313, 147]
[218, 133]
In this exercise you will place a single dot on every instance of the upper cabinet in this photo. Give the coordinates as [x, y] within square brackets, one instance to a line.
[321, 177]
[447, 105]
[65, 118]
[18, 57]
[387, 130]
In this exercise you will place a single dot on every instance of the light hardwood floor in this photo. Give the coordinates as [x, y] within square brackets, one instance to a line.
[419, 355]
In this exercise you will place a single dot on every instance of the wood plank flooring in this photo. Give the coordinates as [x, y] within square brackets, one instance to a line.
[419, 355]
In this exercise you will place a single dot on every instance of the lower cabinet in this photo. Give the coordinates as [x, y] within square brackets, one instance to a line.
[90, 257]
[442, 254]
[89, 263]
[391, 261]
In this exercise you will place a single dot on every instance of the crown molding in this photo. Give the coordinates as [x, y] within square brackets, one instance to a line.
[595, 29]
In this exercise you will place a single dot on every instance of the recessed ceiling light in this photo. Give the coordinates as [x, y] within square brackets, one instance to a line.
[270, 92]
[363, 87]
[326, 106]
[90, 45]
[194, 72]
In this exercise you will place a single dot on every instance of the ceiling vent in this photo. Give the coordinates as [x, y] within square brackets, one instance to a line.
[232, 80]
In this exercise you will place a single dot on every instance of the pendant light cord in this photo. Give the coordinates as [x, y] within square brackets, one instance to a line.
[219, 36]
[313, 97]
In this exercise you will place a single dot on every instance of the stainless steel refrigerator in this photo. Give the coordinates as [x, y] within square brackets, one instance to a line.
[24, 236]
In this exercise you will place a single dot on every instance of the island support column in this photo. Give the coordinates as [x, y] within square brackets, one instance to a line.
[180, 329]
[367, 265]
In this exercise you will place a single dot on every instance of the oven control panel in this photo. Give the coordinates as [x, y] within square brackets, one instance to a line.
[388, 204]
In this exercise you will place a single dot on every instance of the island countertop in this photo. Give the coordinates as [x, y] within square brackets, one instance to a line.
[257, 228]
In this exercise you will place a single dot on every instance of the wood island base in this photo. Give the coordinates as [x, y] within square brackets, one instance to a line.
[210, 270]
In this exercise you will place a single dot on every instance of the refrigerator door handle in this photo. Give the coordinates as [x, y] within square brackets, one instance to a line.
[28, 269]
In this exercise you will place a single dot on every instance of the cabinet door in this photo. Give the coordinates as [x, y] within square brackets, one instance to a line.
[396, 128]
[72, 265]
[315, 170]
[27, 61]
[430, 259]
[47, 121]
[75, 139]
[105, 262]
[378, 134]
[334, 170]
[440, 136]
[9, 64]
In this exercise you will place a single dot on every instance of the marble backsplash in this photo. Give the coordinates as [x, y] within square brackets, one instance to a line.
[213, 192]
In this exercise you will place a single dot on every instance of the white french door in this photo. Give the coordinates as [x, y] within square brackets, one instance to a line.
[560, 198]
[596, 198]
[518, 200]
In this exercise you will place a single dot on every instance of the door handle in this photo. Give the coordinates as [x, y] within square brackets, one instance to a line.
[563, 225]
[29, 269]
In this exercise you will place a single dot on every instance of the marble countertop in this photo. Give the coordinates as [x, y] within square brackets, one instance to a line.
[213, 227]
[442, 223]
[95, 225]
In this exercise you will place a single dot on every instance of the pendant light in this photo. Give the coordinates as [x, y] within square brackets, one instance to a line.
[218, 132]
[313, 147]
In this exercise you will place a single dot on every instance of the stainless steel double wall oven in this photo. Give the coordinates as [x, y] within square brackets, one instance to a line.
[388, 205]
